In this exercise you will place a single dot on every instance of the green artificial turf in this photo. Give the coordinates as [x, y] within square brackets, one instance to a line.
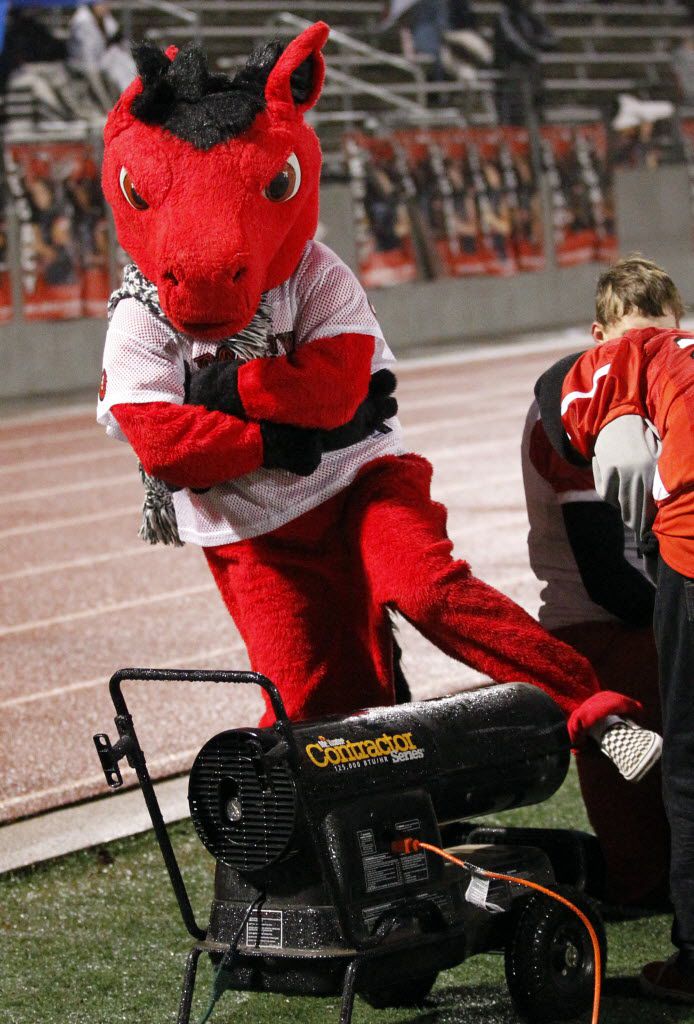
[95, 938]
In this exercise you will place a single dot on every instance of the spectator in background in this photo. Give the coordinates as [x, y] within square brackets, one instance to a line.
[495, 212]
[427, 27]
[683, 70]
[463, 32]
[33, 59]
[95, 50]
[634, 126]
[424, 23]
[520, 36]
[51, 223]
[385, 209]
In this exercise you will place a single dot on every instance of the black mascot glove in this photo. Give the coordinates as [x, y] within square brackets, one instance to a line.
[294, 448]
[378, 406]
[217, 388]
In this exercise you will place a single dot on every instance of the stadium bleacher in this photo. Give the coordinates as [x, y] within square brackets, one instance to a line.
[603, 49]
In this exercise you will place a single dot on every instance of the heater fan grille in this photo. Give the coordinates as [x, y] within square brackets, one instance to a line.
[243, 806]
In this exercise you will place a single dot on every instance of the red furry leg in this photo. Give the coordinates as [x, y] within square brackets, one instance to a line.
[300, 609]
[400, 534]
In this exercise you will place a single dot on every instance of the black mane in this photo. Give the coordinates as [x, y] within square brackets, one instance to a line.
[206, 108]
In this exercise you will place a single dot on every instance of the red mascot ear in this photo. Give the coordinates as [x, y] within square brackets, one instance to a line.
[297, 77]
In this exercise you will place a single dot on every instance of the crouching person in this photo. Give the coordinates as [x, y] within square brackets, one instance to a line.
[628, 405]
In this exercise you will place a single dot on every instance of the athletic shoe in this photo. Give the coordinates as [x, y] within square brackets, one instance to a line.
[634, 112]
[475, 45]
[664, 980]
[632, 750]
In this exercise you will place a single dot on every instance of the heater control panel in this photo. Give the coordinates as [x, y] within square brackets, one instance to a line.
[381, 888]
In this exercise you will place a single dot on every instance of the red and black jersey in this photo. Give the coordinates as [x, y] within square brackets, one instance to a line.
[648, 373]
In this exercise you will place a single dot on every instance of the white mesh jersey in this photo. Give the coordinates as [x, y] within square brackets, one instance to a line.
[550, 483]
[145, 361]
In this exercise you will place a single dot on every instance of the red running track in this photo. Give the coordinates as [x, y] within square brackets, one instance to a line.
[82, 595]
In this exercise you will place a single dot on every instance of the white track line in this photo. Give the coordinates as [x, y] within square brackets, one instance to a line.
[105, 609]
[472, 450]
[574, 338]
[500, 396]
[84, 485]
[77, 459]
[75, 563]
[12, 444]
[455, 422]
[64, 521]
[87, 684]
[56, 414]
[89, 780]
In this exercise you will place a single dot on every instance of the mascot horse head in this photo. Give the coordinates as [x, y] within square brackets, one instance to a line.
[213, 181]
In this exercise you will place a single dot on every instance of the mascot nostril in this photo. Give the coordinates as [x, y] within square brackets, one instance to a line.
[169, 276]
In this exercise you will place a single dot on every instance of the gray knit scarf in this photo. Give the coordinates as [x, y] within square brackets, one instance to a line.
[159, 524]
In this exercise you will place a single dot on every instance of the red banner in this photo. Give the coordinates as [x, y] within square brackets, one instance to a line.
[91, 233]
[380, 189]
[524, 195]
[492, 198]
[5, 282]
[580, 179]
[444, 202]
[63, 229]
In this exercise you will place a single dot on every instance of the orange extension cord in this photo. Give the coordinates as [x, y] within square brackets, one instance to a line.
[413, 845]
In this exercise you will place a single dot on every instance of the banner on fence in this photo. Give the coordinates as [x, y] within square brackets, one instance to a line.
[523, 189]
[443, 203]
[581, 181]
[5, 280]
[470, 198]
[462, 201]
[63, 234]
[91, 234]
[381, 188]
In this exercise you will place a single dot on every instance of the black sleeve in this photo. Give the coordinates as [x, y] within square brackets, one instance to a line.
[548, 395]
[596, 536]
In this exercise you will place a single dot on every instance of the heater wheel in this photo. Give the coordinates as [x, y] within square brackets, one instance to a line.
[412, 992]
[549, 957]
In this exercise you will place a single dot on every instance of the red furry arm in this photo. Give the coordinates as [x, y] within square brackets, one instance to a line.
[187, 446]
[320, 385]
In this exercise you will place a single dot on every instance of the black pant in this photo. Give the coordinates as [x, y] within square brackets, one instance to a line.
[674, 634]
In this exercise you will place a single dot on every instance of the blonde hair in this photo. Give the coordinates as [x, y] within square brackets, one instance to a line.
[636, 284]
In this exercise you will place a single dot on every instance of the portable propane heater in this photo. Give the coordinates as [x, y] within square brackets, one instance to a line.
[322, 886]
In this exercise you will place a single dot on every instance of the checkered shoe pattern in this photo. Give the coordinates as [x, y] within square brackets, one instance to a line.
[631, 749]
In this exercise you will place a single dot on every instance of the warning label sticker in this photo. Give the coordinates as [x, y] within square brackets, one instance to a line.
[367, 842]
[414, 867]
[411, 825]
[265, 929]
[381, 871]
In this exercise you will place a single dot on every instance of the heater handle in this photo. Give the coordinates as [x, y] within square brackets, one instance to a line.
[128, 746]
[176, 675]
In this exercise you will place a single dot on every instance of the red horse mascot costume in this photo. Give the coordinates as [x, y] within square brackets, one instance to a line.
[246, 368]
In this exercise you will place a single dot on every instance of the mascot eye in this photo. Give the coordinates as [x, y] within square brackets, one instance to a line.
[130, 192]
[284, 185]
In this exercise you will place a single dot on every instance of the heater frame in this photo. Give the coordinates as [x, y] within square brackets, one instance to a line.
[128, 747]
